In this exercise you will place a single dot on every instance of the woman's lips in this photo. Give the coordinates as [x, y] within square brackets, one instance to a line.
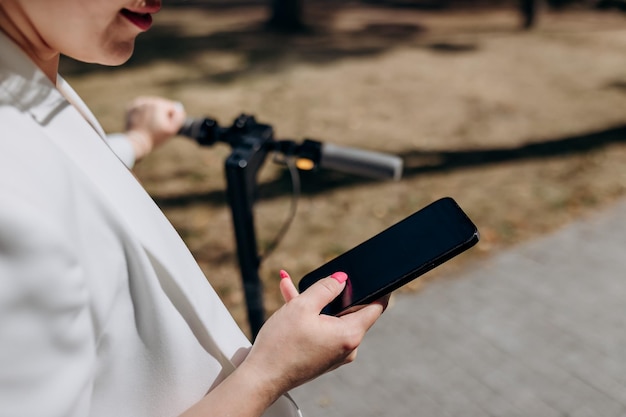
[142, 20]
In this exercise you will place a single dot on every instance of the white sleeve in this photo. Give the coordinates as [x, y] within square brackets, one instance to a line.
[47, 346]
[121, 146]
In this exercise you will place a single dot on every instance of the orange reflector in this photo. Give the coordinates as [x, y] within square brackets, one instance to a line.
[305, 164]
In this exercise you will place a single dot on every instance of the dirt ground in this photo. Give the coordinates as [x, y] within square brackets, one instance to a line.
[526, 130]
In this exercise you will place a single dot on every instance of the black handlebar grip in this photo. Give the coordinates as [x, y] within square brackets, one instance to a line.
[361, 162]
[205, 131]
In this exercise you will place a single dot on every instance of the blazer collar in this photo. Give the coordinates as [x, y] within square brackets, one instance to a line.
[27, 88]
[23, 85]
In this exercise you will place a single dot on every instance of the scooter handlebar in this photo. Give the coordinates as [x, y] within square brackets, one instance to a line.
[344, 159]
[360, 162]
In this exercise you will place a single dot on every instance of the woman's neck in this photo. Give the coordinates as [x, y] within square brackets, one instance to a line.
[16, 26]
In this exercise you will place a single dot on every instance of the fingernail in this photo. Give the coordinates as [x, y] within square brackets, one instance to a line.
[284, 274]
[340, 277]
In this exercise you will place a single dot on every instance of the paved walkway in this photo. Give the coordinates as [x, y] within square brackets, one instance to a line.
[538, 331]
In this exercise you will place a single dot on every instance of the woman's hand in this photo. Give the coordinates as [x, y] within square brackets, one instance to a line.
[295, 345]
[298, 343]
[150, 121]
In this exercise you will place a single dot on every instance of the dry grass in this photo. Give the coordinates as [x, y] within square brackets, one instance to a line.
[525, 129]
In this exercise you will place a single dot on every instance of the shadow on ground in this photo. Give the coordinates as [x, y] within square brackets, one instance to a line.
[263, 51]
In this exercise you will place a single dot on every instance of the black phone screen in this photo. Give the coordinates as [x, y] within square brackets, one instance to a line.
[399, 254]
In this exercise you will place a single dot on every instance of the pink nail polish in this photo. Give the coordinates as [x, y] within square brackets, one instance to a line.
[284, 274]
[340, 277]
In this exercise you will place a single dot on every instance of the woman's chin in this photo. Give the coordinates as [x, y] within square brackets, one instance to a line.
[111, 58]
[117, 59]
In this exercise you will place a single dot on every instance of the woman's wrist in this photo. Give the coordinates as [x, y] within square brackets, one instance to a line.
[262, 385]
[247, 392]
[141, 142]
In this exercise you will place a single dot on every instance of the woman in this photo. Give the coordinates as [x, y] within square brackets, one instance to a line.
[103, 310]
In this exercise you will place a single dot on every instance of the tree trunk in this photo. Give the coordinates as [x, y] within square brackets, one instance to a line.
[529, 12]
[286, 15]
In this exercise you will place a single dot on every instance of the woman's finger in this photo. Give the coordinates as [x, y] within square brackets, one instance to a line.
[287, 288]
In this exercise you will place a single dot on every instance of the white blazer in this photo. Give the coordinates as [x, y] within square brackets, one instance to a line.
[103, 310]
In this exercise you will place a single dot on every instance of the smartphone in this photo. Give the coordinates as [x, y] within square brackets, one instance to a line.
[401, 253]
